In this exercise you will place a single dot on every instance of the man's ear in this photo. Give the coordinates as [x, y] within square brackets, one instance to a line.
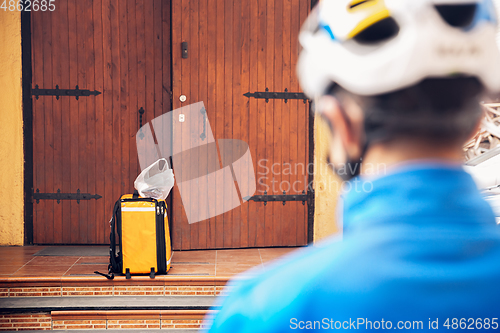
[346, 121]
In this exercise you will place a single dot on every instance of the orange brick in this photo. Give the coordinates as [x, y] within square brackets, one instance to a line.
[77, 322]
[111, 327]
[6, 325]
[153, 326]
[24, 320]
[78, 327]
[135, 326]
[183, 293]
[78, 293]
[22, 294]
[170, 288]
[187, 326]
[52, 294]
[100, 327]
[187, 321]
[167, 326]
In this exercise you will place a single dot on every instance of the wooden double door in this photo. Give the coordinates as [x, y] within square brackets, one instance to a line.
[127, 55]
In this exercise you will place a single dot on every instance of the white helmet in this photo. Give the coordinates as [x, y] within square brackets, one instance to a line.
[372, 47]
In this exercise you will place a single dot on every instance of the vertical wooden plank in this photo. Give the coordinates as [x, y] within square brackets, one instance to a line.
[262, 155]
[102, 227]
[49, 127]
[270, 108]
[158, 61]
[298, 164]
[167, 56]
[166, 83]
[66, 130]
[167, 80]
[228, 113]
[90, 218]
[132, 79]
[202, 97]
[39, 131]
[236, 108]
[149, 59]
[289, 210]
[74, 119]
[278, 121]
[219, 128]
[125, 112]
[195, 131]
[116, 104]
[176, 91]
[244, 17]
[83, 165]
[255, 65]
[107, 93]
[56, 22]
[211, 105]
[186, 90]
[141, 61]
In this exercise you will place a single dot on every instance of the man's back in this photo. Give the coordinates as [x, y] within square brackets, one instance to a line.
[419, 246]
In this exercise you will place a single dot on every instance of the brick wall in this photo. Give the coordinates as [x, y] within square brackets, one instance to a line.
[114, 291]
[14, 322]
[111, 320]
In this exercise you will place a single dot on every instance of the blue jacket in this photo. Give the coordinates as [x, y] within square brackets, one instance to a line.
[420, 250]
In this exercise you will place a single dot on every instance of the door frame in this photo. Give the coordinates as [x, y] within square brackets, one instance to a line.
[27, 125]
[28, 140]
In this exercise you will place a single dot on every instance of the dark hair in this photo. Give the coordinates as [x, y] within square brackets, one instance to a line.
[439, 109]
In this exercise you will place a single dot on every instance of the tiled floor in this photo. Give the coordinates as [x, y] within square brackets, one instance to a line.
[20, 261]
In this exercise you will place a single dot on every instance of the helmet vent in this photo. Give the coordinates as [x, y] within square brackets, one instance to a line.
[378, 32]
[458, 16]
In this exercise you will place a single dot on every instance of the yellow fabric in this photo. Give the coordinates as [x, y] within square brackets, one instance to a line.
[167, 242]
[139, 236]
[379, 16]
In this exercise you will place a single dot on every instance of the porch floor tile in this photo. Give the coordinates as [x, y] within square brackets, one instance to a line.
[20, 261]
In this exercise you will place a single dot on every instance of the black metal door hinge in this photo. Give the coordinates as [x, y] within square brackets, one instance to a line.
[64, 196]
[267, 95]
[77, 92]
[282, 197]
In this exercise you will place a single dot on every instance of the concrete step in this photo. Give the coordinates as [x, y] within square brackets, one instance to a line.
[104, 303]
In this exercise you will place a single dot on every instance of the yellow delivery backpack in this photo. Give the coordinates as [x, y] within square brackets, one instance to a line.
[144, 245]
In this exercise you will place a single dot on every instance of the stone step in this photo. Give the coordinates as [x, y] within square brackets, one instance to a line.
[48, 304]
